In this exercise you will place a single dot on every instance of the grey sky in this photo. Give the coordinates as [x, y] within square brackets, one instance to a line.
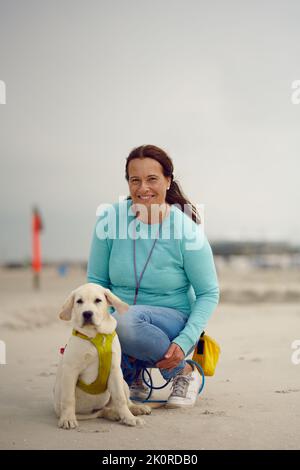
[87, 81]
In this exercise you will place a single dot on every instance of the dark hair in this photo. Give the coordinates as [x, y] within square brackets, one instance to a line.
[175, 194]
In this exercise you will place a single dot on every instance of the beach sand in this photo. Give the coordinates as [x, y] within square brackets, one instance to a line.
[252, 402]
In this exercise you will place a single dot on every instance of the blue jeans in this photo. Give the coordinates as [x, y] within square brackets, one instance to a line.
[145, 333]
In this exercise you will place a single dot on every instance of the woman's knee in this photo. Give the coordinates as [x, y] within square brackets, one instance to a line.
[132, 318]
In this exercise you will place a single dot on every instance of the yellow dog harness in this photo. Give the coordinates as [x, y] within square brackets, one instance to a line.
[103, 344]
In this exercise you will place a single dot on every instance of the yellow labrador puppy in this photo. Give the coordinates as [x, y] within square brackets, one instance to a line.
[81, 390]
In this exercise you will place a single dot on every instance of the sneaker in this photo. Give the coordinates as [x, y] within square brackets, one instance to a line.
[138, 389]
[185, 389]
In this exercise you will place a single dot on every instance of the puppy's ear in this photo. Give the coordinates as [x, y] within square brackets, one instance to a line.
[66, 310]
[108, 324]
[112, 299]
[115, 301]
[109, 297]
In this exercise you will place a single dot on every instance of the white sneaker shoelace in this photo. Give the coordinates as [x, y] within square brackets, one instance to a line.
[180, 385]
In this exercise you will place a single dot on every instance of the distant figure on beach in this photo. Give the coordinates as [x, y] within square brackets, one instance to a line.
[170, 282]
[37, 227]
[63, 269]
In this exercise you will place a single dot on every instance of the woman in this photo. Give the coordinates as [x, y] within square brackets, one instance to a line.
[163, 268]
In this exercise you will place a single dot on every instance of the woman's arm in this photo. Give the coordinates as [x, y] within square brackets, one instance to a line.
[200, 270]
[98, 263]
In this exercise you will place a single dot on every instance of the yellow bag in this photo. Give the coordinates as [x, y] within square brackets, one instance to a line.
[207, 354]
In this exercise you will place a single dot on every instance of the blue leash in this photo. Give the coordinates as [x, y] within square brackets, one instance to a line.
[152, 387]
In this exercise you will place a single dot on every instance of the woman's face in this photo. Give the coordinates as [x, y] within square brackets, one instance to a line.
[147, 183]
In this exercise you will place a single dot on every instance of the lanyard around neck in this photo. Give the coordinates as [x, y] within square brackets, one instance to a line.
[138, 281]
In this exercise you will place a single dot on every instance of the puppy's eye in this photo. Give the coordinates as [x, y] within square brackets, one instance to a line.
[79, 301]
[97, 301]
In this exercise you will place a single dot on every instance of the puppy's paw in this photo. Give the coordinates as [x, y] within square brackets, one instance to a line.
[67, 422]
[132, 421]
[137, 410]
[110, 413]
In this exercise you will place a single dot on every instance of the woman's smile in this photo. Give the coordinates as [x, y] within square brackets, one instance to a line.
[146, 198]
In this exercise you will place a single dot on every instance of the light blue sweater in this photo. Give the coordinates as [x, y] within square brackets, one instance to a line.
[181, 272]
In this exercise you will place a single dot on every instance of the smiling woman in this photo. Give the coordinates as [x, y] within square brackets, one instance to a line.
[148, 187]
[170, 283]
[149, 173]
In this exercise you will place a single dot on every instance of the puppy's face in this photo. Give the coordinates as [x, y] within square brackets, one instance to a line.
[87, 308]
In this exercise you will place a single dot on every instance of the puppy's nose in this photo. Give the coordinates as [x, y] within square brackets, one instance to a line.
[87, 315]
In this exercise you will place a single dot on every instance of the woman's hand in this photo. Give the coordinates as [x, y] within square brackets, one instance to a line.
[172, 358]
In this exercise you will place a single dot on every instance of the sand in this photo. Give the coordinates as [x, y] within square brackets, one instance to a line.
[252, 402]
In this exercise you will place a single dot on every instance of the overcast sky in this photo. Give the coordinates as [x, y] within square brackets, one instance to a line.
[208, 81]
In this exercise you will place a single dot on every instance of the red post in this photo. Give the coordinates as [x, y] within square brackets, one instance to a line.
[37, 227]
